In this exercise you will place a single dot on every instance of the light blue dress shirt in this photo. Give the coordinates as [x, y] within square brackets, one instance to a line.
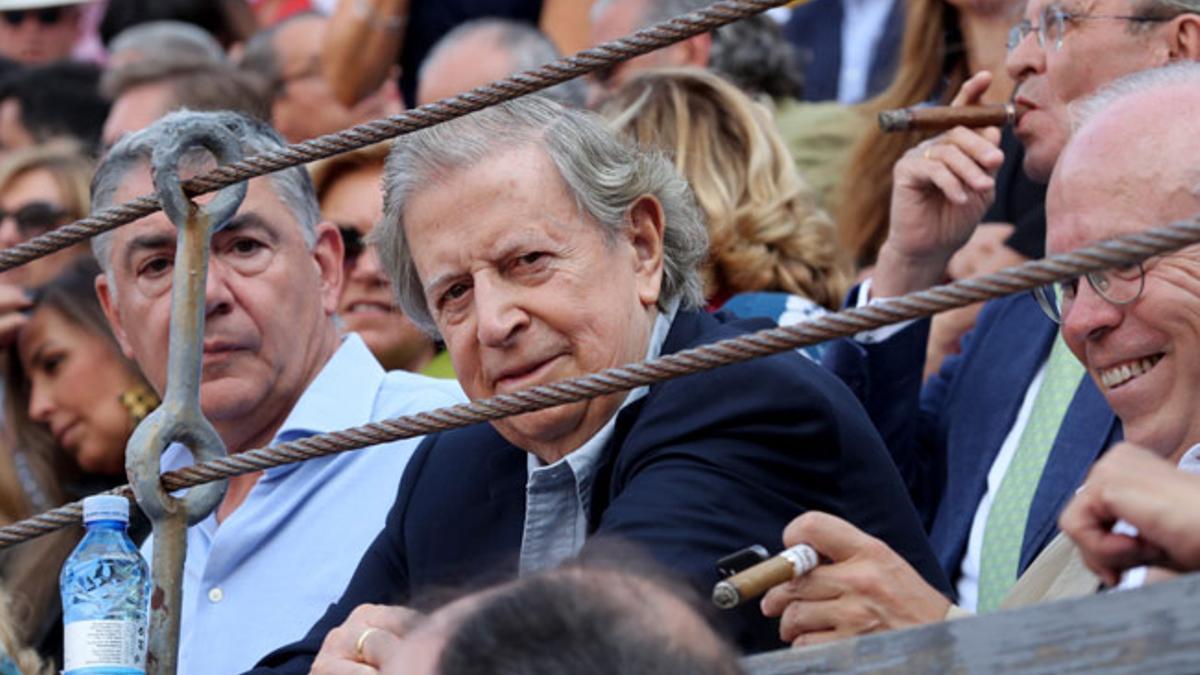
[558, 496]
[263, 577]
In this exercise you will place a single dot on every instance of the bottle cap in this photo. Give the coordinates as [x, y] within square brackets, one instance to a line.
[105, 507]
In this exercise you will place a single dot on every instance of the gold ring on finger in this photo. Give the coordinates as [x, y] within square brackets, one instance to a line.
[362, 642]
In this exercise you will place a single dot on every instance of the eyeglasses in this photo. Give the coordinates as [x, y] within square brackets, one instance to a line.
[353, 243]
[47, 16]
[35, 218]
[1119, 286]
[1053, 24]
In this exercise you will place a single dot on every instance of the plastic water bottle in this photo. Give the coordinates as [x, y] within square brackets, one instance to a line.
[105, 586]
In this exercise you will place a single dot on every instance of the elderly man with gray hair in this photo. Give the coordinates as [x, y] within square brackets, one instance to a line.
[275, 369]
[540, 247]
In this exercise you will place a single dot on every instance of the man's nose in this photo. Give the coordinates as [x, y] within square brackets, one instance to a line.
[1026, 58]
[218, 296]
[499, 316]
[1089, 316]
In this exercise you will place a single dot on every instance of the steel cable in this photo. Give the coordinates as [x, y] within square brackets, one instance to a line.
[1121, 251]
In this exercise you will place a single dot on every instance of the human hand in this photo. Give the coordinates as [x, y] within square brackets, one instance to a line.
[13, 300]
[940, 190]
[1135, 485]
[866, 587]
[350, 650]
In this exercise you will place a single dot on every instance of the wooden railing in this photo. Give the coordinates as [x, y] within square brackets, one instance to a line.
[1150, 630]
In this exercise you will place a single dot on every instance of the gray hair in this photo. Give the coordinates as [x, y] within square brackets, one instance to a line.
[526, 47]
[1181, 73]
[174, 40]
[294, 187]
[603, 173]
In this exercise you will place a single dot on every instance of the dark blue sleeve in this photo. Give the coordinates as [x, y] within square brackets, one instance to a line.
[381, 578]
[778, 437]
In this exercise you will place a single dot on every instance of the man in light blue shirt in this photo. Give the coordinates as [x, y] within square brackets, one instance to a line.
[283, 543]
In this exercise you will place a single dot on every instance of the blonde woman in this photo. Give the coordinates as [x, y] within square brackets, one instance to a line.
[772, 250]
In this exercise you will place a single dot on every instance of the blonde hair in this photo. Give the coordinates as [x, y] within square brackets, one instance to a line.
[66, 162]
[927, 66]
[766, 231]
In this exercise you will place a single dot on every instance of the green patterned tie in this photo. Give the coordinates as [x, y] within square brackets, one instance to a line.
[1004, 532]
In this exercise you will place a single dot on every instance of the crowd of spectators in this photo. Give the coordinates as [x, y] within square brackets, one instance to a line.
[729, 182]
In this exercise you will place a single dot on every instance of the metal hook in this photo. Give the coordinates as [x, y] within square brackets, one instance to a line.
[179, 418]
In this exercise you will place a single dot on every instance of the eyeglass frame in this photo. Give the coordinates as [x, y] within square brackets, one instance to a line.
[1059, 14]
[1053, 307]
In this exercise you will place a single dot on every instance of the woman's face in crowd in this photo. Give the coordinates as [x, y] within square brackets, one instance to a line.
[354, 201]
[31, 203]
[76, 378]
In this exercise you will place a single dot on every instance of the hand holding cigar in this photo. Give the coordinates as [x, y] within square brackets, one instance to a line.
[753, 582]
[940, 118]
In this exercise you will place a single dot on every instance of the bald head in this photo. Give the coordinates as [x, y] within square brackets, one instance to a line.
[1133, 163]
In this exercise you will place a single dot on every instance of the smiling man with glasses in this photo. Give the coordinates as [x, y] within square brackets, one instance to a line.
[34, 32]
[995, 443]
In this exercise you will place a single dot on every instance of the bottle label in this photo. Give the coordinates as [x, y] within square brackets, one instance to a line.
[111, 644]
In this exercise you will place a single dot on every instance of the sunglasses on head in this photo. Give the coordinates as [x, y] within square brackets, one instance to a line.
[35, 218]
[46, 16]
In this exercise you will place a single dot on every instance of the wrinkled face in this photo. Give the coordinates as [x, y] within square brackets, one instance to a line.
[1142, 355]
[31, 204]
[76, 379]
[268, 306]
[39, 36]
[525, 290]
[1094, 52]
[368, 306]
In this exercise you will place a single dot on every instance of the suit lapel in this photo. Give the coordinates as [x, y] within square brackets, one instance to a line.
[1010, 353]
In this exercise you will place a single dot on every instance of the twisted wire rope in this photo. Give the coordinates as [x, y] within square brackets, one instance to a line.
[1120, 251]
[601, 56]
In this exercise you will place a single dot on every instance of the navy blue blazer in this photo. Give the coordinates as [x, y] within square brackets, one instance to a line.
[815, 30]
[700, 467]
[946, 435]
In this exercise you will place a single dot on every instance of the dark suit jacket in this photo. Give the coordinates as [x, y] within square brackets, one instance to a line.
[815, 30]
[700, 467]
[945, 436]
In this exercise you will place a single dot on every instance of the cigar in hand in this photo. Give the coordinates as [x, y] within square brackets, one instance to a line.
[753, 582]
[940, 118]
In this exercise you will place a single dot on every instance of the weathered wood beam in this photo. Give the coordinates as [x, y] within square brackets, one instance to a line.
[1150, 630]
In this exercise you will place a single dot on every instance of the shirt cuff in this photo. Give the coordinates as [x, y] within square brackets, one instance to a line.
[955, 612]
[870, 337]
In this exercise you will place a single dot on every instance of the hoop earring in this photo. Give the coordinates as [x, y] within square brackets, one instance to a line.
[139, 400]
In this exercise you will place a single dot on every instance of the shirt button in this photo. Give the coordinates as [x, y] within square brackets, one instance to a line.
[215, 594]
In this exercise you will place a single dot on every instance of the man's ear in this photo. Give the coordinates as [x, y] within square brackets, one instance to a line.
[1185, 38]
[107, 297]
[647, 225]
[328, 252]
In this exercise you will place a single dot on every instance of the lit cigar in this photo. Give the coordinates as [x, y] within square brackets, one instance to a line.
[749, 584]
[940, 118]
